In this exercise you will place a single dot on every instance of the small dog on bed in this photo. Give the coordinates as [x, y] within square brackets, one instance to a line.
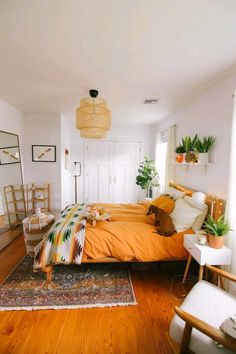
[162, 220]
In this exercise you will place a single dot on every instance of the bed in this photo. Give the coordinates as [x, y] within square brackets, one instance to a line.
[130, 236]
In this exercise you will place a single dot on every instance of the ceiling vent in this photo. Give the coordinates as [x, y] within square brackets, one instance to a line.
[151, 100]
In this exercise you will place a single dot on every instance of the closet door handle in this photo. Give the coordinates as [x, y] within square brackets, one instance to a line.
[110, 179]
[114, 179]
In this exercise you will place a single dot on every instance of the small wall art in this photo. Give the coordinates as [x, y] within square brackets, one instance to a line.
[43, 153]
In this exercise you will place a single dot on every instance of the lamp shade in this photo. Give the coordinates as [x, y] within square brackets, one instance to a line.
[93, 118]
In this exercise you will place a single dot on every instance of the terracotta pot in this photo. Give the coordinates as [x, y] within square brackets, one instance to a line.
[216, 241]
[179, 158]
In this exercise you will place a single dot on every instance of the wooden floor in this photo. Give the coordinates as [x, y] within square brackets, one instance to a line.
[118, 330]
[3, 221]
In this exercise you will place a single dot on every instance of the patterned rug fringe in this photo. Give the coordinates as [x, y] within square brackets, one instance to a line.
[73, 307]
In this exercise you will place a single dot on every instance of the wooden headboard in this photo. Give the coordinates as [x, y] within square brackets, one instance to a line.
[216, 205]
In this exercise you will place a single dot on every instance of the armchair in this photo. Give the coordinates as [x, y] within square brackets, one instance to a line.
[196, 325]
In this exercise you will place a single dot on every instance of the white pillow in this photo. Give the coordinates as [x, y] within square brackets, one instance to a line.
[175, 193]
[184, 215]
[200, 206]
[199, 197]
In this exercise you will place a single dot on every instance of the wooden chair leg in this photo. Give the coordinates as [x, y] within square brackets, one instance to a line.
[187, 267]
[222, 285]
[201, 270]
[48, 270]
[206, 273]
[185, 339]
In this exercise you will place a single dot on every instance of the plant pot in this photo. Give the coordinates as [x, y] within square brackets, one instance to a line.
[179, 158]
[216, 241]
[149, 193]
[191, 157]
[203, 157]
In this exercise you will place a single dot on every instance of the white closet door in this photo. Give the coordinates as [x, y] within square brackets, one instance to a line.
[126, 162]
[98, 171]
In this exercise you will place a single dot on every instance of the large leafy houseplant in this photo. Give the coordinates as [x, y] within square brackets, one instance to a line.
[216, 229]
[148, 175]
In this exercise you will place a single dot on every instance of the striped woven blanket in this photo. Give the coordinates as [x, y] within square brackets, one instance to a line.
[64, 242]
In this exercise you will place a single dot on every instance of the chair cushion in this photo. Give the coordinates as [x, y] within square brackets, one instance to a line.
[229, 326]
[210, 304]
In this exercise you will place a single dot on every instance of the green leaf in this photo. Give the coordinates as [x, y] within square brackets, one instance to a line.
[218, 227]
[205, 144]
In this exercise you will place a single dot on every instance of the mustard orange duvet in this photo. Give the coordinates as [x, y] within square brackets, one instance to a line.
[130, 236]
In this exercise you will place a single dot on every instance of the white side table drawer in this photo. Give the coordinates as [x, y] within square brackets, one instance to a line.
[190, 247]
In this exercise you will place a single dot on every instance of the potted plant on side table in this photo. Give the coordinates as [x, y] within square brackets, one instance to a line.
[203, 147]
[215, 230]
[148, 176]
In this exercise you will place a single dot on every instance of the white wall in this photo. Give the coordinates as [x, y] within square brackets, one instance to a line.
[43, 129]
[10, 119]
[208, 114]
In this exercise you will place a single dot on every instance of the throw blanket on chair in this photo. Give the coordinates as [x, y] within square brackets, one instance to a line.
[64, 242]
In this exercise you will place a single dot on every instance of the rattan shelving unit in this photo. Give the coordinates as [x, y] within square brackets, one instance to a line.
[37, 197]
[23, 200]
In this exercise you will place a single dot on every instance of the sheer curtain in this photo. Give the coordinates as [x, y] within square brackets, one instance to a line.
[160, 158]
[170, 156]
[231, 199]
[164, 156]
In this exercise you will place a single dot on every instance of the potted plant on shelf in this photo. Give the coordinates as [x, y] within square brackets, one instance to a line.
[148, 176]
[203, 147]
[189, 145]
[215, 230]
[180, 150]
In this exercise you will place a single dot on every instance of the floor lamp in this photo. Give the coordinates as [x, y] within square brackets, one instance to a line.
[76, 174]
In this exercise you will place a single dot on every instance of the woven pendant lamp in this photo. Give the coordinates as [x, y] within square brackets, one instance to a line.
[93, 118]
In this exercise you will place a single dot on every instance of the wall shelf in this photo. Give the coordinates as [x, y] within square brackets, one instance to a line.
[187, 165]
[193, 164]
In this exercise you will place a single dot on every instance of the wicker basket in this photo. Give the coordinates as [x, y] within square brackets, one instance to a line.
[35, 228]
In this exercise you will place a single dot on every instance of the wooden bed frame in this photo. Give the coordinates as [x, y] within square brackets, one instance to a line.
[215, 209]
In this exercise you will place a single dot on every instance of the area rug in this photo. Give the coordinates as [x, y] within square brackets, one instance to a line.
[84, 286]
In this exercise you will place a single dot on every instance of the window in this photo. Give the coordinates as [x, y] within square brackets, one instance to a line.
[160, 156]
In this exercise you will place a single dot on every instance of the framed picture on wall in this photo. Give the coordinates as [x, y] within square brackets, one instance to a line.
[44, 153]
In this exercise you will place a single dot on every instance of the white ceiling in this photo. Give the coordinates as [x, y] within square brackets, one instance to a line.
[54, 51]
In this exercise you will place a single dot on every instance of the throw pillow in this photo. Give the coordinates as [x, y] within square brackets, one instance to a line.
[164, 202]
[229, 326]
[200, 206]
[184, 215]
